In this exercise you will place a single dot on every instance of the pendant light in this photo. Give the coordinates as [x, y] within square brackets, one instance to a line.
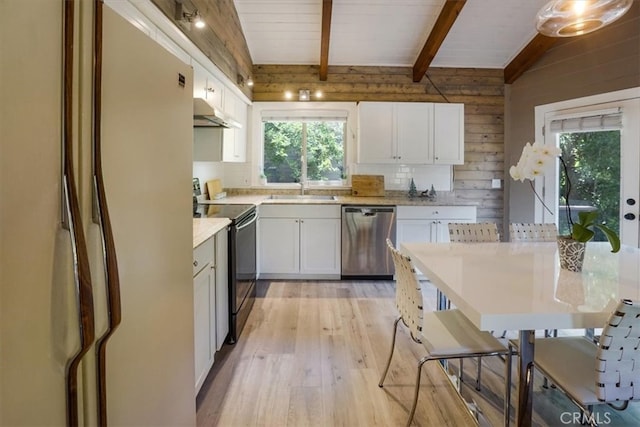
[568, 18]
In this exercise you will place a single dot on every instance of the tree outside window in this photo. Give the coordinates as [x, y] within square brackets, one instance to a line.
[593, 162]
[304, 151]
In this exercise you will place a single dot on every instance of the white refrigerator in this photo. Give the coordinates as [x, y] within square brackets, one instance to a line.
[147, 151]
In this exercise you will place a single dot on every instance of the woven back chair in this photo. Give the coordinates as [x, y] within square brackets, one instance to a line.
[446, 334]
[473, 232]
[408, 293]
[603, 373]
[532, 232]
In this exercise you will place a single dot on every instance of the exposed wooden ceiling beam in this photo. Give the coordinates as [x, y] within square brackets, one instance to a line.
[447, 17]
[527, 57]
[324, 38]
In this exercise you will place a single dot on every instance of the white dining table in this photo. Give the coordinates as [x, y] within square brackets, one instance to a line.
[520, 286]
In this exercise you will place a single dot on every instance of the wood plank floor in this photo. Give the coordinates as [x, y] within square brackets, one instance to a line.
[312, 353]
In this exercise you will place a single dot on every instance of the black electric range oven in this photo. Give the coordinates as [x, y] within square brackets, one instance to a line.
[242, 260]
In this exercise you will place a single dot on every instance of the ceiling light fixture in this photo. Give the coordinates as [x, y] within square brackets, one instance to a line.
[568, 18]
[242, 82]
[288, 94]
[303, 95]
[187, 18]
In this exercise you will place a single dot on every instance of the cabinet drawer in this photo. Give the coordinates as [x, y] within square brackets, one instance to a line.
[300, 211]
[203, 255]
[437, 212]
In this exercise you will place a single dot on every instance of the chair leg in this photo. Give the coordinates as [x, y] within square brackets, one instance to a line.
[393, 344]
[507, 388]
[479, 373]
[417, 391]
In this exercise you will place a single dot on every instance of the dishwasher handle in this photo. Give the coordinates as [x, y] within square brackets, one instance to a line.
[369, 211]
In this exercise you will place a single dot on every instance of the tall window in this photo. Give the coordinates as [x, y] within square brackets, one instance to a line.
[308, 151]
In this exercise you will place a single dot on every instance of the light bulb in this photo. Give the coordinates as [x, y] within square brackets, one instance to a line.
[198, 22]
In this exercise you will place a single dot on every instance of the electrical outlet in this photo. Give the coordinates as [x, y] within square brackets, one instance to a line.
[496, 183]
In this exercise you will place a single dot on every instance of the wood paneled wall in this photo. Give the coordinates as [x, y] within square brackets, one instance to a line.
[481, 90]
[222, 40]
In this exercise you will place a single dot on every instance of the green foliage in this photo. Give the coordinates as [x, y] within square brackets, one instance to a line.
[593, 161]
[583, 230]
[283, 150]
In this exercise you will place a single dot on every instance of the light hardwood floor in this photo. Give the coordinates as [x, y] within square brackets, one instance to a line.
[312, 353]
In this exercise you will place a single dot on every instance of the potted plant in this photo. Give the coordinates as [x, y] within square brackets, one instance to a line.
[571, 248]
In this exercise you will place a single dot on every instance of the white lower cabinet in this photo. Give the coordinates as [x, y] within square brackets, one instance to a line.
[299, 241]
[210, 303]
[429, 223]
[201, 325]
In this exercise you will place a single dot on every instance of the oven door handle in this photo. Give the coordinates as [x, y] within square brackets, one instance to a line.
[248, 223]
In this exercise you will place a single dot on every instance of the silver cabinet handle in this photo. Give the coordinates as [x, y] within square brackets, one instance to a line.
[195, 263]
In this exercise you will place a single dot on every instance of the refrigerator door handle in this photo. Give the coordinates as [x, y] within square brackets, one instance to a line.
[101, 216]
[81, 268]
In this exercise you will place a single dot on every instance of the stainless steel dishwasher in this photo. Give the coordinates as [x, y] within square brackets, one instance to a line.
[365, 230]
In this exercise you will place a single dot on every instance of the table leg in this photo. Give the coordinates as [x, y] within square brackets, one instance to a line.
[525, 378]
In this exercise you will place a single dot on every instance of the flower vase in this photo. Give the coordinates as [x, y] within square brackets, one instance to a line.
[571, 253]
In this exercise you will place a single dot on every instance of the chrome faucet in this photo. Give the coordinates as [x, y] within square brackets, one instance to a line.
[301, 187]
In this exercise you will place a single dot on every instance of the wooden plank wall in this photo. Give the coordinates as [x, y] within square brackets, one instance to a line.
[222, 40]
[481, 90]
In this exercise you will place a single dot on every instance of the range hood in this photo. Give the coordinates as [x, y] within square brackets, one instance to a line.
[206, 115]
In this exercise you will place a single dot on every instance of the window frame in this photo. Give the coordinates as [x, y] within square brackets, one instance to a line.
[301, 110]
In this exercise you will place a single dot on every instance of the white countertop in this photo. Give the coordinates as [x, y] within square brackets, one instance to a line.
[204, 228]
[258, 199]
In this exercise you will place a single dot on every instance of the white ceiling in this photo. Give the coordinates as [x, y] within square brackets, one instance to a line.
[487, 34]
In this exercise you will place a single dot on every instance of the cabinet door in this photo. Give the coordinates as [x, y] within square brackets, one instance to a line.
[241, 133]
[376, 140]
[413, 230]
[206, 86]
[202, 337]
[222, 288]
[319, 246]
[413, 132]
[199, 80]
[448, 134]
[279, 245]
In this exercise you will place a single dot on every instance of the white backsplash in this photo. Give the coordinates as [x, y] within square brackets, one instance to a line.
[398, 177]
[206, 171]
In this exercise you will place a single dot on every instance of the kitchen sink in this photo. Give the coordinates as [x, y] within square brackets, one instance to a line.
[302, 197]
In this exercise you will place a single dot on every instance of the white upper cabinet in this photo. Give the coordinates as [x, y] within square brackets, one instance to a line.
[207, 87]
[448, 134]
[376, 142]
[235, 139]
[410, 133]
[414, 141]
[219, 144]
